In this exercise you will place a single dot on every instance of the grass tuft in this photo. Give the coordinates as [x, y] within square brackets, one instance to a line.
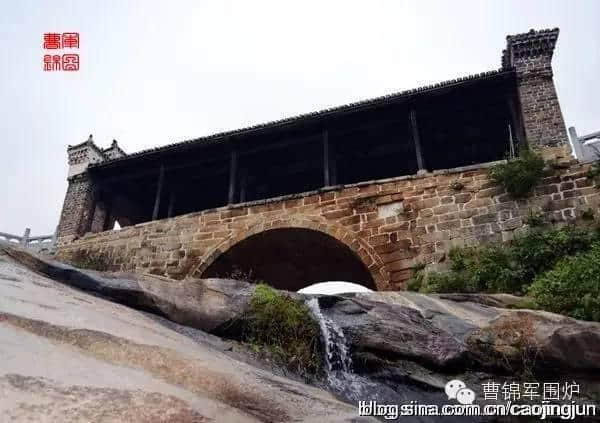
[283, 329]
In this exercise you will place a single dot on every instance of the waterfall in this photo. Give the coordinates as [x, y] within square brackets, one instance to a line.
[340, 377]
[337, 356]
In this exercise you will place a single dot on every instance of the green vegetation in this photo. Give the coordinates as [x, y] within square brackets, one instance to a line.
[594, 173]
[100, 261]
[283, 329]
[535, 219]
[521, 175]
[543, 264]
[572, 287]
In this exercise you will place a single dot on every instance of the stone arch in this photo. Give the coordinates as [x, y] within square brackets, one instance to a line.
[359, 247]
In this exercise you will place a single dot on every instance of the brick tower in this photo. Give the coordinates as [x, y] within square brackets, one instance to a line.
[530, 54]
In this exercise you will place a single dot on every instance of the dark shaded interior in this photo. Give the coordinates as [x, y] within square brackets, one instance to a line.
[291, 259]
[455, 125]
[476, 131]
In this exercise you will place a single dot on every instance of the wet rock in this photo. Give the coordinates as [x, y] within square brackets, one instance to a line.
[451, 333]
[72, 357]
[390, 330]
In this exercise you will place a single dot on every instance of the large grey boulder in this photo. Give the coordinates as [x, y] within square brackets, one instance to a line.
[426, 340]
[206, 304]
[458, 331]
[70, 356]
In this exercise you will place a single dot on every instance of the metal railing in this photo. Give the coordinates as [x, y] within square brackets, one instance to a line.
[38, 243]
[585, 147]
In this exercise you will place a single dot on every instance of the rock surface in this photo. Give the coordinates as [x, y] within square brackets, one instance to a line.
[73, 357]
[426, 340]
[439, 331]
[405, 346]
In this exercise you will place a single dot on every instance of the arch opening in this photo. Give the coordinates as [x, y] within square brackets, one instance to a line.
[291, 259]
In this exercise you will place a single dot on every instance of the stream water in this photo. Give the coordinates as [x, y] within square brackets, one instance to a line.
[340, 377]
[352, 387]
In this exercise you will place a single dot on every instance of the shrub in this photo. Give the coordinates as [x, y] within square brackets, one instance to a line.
[506, 267]
[572, 287]
[445, 282]
[415, 283]
[594, 173]
[538, 251]
[535, 219]
[521, 175]
[283, 328]
[474, 270]
[514, 338]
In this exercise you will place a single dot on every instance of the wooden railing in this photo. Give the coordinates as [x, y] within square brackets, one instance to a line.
[585, 147]
[39, 243]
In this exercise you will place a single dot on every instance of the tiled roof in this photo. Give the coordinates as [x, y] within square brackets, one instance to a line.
[222, 136]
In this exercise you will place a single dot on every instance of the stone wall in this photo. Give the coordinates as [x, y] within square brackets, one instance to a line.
[391, 225]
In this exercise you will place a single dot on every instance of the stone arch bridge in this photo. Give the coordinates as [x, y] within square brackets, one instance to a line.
[372, 233]
[362, 192]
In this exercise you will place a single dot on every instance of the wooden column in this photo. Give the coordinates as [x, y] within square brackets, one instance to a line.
[232, 176]
[326, 170]
[171, 204]
[516, 124]
[416, 139]
[332, 163]
[243, 184]
[161, 180]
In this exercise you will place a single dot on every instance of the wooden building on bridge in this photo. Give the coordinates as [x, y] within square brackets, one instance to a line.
[477, 119]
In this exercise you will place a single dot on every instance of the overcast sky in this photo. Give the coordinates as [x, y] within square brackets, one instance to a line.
[157, 72]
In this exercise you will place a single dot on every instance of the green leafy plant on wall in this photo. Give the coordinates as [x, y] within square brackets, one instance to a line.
[520, 176]
[535, 219]
[594, 173]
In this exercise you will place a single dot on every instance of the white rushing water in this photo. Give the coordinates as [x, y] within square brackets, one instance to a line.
[342, 380]
[337, 356]
[340, 376]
